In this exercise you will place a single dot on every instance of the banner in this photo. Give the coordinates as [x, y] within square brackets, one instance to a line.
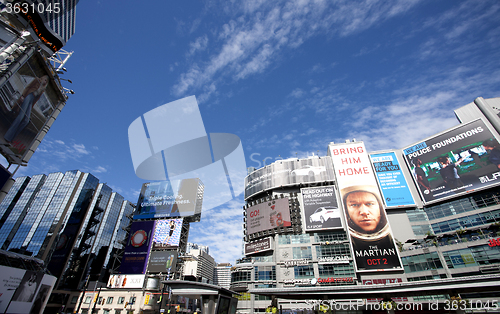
[167, 233]
[391, 180]
[320, 209]
[369, 232]
[137, 250]
[460, 160]
[268, 215]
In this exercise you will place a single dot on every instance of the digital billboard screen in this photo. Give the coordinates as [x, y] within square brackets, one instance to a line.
[368, 228]
[170, 199]
[162, 262]
[268, 215]
[27, 101]
[167, 233]
[320, 208]
[460, 160]
[391, 180]
[137, 250]
[289, 172]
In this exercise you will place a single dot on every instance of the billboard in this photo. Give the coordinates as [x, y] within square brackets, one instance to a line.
[391, 180]
[162, 262]
[24, 291]
[289, 172]
[169, 199]
[268, 215]
[457, 161]
[137, 250]
[258, 246]
[320, 208]
[126, 281]
[167, 233]
[369, 232]
[27, 101]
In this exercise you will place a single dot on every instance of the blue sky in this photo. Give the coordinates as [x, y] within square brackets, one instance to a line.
[287, 77]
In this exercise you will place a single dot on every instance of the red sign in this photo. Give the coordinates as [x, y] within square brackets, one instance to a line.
[331, 279]
[494, 242]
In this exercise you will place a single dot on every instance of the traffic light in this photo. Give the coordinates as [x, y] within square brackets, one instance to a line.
[146, 300]
[126, 303]
[95, 298]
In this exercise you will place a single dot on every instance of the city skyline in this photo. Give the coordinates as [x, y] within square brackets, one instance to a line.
[286, 77]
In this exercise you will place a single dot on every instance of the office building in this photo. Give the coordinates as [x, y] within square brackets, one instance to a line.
[200, 267]
[222, 275]
[71, 222]
[312, 231]
[195, 246]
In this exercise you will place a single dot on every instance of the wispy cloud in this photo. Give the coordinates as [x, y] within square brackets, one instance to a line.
[260, 33]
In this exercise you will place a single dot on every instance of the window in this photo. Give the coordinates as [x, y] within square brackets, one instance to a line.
[265, 273]
[105, 312]
[303, 272]
[302, 252]
[131, 300]
[121, 300]
[74, 300]
[87, 300]
[99, 301]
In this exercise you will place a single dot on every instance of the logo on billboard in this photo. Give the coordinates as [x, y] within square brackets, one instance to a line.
[187, 150]
[139, 238]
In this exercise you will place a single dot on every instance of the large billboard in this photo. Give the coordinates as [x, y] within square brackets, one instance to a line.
[460, 160]
[268, 215]
[289, 172]
[320, 208]
[167, 233]
[391, 180]
[369, 232]
[162, 262]
[137, 250]
[24, 291]
[27, 101]
[170, 199]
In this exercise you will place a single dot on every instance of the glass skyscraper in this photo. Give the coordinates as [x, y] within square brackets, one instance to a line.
[73, 223]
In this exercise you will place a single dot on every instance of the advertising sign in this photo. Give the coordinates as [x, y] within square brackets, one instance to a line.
[457, 161]
[320, 208]
[369, 232]
[289, 172]
[24, 291]
[126, 281]
[167, 233]
[391, 180]
[164, 199]
[162, 261]
[384, 281]
[258, 246]
[137, 250]
[268, 215]
[27, 101]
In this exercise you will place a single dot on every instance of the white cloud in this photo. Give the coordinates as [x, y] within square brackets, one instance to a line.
[80, 149]
[99, 169]
[261, 32]
[199, 44]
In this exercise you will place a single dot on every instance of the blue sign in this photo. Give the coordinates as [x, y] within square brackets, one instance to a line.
[391, 180]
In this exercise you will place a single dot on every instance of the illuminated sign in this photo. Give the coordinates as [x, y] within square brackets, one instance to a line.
[494, 242]
[335, 280]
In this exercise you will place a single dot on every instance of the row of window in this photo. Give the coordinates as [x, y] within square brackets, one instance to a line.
[100, 300]
[318, 237]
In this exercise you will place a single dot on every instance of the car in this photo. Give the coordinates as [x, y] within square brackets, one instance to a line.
[322, 214]
[308, 170]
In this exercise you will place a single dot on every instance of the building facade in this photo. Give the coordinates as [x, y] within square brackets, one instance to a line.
[200, 267]
[222, 275]
[70, 221]
[309, 225]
